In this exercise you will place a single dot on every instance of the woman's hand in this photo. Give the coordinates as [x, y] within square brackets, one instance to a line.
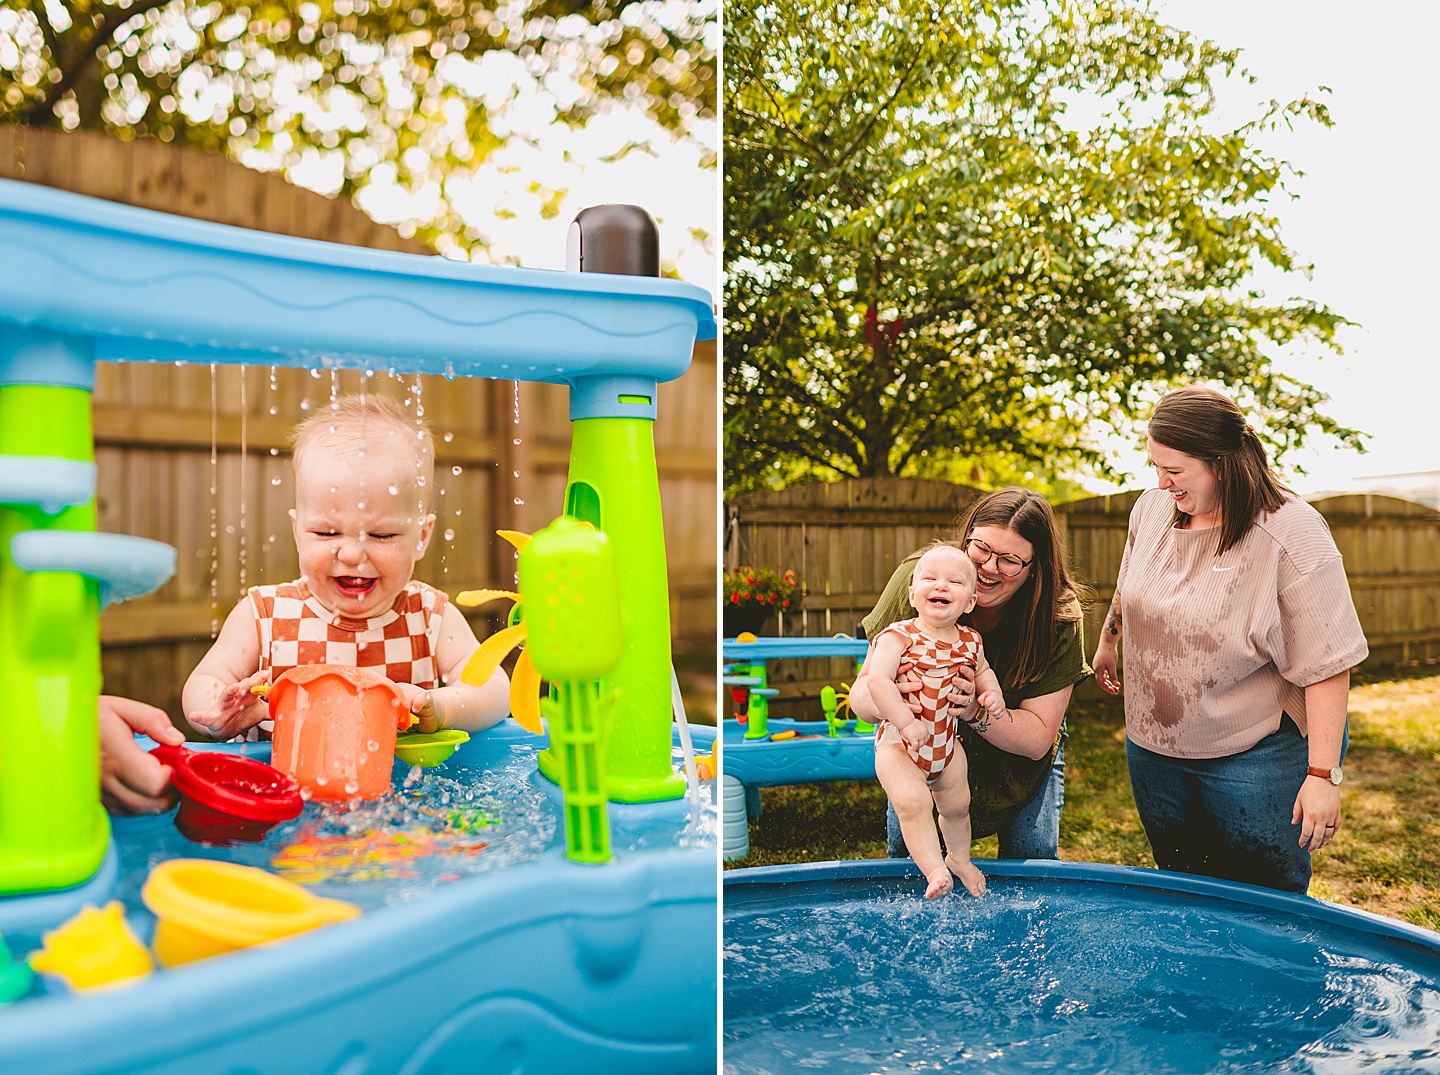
[962, 694]
[131, 780]
[1317, 812]
[1106, 665]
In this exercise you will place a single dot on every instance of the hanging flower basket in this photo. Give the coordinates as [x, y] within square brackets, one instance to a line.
[752, 594]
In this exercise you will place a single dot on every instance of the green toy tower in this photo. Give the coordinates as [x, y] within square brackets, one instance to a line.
[56, 572]
[614, 485]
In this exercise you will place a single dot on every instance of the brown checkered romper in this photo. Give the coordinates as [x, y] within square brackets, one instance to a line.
[400, 643]
[935, 663]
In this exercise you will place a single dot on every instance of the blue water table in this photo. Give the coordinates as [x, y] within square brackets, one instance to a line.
[592, 949]
[761, 752]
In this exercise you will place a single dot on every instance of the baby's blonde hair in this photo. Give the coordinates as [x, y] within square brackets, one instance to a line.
[957, 546]
[362, 422]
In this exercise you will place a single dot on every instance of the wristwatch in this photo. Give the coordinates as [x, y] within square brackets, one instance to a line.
[1333, 775]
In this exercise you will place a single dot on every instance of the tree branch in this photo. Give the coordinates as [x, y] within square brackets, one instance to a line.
[74, 65]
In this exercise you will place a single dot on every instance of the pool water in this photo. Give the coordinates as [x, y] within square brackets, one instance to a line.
[1045, 976]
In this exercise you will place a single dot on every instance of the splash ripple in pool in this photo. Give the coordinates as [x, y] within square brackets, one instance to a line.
[871, 978]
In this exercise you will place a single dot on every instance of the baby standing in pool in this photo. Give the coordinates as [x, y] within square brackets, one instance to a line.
[918, 759]
[364, 471]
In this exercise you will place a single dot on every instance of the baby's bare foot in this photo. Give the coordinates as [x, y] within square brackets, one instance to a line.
[940, 883]
[970, 877]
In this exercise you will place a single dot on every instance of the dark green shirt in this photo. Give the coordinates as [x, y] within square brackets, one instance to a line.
[1000, 782]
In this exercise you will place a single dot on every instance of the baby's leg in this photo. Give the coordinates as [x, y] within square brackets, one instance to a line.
[905, 784]
[952, 799]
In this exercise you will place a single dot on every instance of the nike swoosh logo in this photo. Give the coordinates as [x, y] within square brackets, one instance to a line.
[1217, 567]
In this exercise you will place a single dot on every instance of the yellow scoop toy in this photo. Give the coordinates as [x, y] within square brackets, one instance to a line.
[95, 948]
[208, 908]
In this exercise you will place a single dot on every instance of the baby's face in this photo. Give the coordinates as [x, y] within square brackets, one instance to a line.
[942, 588]
[358, 527]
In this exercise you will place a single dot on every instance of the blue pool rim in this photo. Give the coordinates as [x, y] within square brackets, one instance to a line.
[745, 890]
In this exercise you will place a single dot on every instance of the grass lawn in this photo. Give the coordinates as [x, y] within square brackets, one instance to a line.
[1386, 858]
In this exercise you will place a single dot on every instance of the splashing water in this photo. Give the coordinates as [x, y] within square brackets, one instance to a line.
[1076, 977]
[435, 827]
[214, 502]
[244, 468]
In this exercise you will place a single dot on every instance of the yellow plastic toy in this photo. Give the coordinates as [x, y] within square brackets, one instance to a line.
[524, 681]
[208, 908]
[95, 948]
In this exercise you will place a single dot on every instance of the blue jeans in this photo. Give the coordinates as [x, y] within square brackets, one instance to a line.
[1033, 834]
[1228, 817]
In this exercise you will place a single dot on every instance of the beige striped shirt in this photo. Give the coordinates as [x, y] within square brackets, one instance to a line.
[1217, 647]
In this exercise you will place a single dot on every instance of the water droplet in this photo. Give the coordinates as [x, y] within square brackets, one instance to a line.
[449, 535]
[455, 471]
[322, 780]
[372, 746]
[315, 374]
[519, 501]
[306, 794]
[394, 490]
[516, 442]
[274, 451]
[229, 530]
[304, 404]
[274, 411]
[449, 437]
[351, 787]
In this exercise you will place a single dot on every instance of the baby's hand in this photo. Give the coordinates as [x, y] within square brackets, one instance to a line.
[993, 702]
[914, 734]
[418, 701]
[234, 710]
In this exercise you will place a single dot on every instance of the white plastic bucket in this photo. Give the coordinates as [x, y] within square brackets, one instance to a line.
[735, 825]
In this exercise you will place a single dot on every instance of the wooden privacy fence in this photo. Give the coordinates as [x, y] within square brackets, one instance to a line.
[845, 539]
[200, 459]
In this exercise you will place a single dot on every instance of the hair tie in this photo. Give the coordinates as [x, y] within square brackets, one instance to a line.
[1250, 430]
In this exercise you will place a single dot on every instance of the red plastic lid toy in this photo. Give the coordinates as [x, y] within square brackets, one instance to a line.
[225, 797]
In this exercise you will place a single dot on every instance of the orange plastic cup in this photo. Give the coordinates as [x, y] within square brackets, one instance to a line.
[335, 730]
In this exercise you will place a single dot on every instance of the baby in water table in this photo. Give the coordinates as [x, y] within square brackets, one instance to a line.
[918, 759]
[364, 475]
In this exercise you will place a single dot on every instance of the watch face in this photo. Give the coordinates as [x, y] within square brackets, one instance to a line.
[1336, 776]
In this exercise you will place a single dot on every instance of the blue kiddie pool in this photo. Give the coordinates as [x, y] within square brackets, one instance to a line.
[536, 903]
[845, 967]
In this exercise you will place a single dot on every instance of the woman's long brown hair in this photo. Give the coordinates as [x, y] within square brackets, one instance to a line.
[1049, 596]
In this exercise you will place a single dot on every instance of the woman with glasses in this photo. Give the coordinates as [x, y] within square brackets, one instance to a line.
[1028, 614]
[1240, 634]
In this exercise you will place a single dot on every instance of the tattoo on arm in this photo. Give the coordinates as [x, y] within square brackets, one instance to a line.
[1114, 621]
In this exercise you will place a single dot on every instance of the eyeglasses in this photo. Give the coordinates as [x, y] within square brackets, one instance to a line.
[1007, 563]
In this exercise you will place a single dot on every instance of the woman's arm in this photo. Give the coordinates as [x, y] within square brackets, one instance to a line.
[1317, 807]
[1106, 662]
[1029, 729]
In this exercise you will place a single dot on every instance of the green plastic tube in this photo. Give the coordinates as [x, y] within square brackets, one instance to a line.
[53, 830]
